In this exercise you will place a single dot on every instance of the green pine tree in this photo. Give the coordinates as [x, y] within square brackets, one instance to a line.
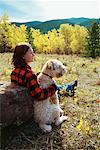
[93, 41]
[30, 38]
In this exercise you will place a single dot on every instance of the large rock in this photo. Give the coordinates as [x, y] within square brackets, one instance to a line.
[15, 104]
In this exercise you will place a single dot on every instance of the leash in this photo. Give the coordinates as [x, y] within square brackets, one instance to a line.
[47, 75]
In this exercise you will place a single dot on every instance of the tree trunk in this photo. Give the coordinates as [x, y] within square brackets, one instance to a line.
[15, 104]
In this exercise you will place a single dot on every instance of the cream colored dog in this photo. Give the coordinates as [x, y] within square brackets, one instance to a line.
[48, 111]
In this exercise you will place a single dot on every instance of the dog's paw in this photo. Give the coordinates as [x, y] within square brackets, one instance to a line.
[61, 120]
[61, 111]
[46, 128]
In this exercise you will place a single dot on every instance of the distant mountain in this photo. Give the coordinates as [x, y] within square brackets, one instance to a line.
[88, 23]
[51, 24]
[28, 24]
[78, 20]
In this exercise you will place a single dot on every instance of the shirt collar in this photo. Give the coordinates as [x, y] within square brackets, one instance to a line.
[27, 66]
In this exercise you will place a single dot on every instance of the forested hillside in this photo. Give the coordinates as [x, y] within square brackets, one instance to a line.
[67, 39]
[51, 24]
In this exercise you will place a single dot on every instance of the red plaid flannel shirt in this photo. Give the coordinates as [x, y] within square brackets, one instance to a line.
[26, 77]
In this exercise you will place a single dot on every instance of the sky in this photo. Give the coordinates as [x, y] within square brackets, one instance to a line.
[43, 10]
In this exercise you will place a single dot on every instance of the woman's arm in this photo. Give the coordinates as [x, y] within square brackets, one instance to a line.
[34, 87]
[25, 77]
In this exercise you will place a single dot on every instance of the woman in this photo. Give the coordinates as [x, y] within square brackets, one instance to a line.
[23, 75]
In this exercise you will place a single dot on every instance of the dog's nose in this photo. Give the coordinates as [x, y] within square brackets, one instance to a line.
[60, 74]
[64, 70]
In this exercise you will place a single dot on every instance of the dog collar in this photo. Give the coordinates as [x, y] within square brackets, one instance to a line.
[47, 75]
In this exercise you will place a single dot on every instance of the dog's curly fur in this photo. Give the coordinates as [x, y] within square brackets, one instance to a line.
[46, 112]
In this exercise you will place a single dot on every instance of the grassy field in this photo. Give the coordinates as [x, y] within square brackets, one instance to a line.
[81, 131]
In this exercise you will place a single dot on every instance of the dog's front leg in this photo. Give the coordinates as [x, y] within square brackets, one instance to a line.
[55, 100]
[56, 118]
[45, 127]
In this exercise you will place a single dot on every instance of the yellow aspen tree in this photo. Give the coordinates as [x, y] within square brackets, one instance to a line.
[55, 42]
[66, 30]
[4, 24]
[78, 39]
[16, 35]
[37, 40]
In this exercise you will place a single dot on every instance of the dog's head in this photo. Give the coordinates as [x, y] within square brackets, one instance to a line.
[54, 67]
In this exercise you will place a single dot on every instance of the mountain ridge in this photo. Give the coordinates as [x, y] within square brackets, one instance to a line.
[48, 25]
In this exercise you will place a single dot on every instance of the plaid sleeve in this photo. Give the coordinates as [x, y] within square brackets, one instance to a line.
[17, 76]
[34, 87]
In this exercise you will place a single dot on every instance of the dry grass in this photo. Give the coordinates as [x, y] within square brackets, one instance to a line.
[81, 131]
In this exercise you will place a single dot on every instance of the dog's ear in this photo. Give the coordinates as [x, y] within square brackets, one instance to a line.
[50, 65]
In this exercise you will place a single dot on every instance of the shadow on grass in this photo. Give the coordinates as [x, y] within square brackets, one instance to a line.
[30, 136]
